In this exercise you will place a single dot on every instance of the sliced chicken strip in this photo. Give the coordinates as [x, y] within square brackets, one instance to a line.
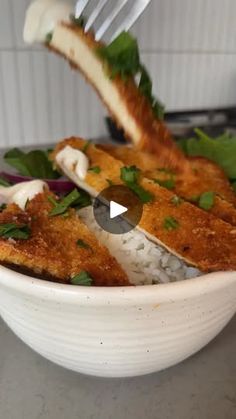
[52, 250]
[198, 237]
[127, 105]
[208, 177]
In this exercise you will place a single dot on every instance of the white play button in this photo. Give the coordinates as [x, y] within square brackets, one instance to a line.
[116, 209]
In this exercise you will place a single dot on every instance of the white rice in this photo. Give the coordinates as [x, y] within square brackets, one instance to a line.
[144, 261]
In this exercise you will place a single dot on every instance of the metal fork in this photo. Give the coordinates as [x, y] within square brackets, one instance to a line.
[136, 10]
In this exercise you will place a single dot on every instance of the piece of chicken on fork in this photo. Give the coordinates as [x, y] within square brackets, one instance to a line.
[129, 105]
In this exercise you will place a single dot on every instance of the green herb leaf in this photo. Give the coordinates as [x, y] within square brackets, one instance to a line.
[207, 200]
[14, 231]
[158, 109]
[95, 169]
[81, 243]
[84, 200]
[130, 176]
[167, 183]
[83, 278]
[3, 207]
[145, 84]
[78, 21]
[194, 198]
[176, 200]
[123, 58]
[48, 38]
[122, 55]
[221, 150]
[75, 199]
[170, 223]
[4, 182]
[35, 163]
[143, 195]
[86, 146]
[60, 207]
[13, 157]
[145, 87]
[53, 201]
[109, 181]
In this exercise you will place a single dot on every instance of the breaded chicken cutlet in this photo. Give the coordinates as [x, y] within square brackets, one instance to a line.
[128, 106]
[60, 248]
[190, 233]
[208, 176]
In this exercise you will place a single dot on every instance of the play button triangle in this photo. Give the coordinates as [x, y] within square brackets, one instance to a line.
[116, 209]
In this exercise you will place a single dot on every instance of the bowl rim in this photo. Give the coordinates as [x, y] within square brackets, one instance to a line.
[143, 294]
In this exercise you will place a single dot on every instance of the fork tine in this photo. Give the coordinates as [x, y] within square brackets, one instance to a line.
[80, 6]
[96, 12]
[104, 27]
[134, 14]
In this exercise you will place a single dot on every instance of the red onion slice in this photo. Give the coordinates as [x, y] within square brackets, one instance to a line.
[59, 186]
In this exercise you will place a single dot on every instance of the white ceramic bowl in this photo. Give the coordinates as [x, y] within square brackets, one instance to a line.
[117, 332]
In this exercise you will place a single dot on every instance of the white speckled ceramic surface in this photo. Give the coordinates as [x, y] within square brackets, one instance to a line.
[117, 332]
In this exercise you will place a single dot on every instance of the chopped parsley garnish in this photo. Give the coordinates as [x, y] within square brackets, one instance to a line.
[61, 207]
[130, 174]
[194, 198]
[3, 207]
[4, 182]
[123, 58]
[170, 223]
[75, 199]
[14, 231]
[78, 21]
[36, 163]
[143, 195]
[86, 146]
[95, 169]
[109, 181]
[130, 177]
[83, 244]
[83, 278]
[207, 200]
[176, 200]
[48, 38]
[167, 183]
[83, 201]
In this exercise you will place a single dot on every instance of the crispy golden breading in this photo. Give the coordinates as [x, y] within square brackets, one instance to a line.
[140, 124]
[52, 248]
[207, 177]
[199, 237]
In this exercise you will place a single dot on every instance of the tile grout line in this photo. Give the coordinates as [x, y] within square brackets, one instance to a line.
[16, 75]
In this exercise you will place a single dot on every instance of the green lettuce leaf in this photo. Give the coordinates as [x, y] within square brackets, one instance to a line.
[221, 150]
[35, 163]
[122, 55]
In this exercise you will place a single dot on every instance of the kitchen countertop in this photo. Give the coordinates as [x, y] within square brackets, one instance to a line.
[203, 386]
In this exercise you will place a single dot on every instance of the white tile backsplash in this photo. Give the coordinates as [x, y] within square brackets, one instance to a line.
[6, 33]
[188, 45]
[188, 25]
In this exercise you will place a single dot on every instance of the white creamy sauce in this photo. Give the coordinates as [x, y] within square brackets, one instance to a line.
[42, 16]
[22, 192]
[73, 160]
